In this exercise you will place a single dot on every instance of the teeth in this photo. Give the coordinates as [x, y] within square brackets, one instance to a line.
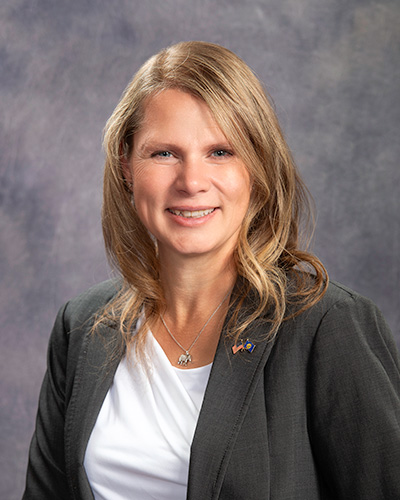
[195, 214]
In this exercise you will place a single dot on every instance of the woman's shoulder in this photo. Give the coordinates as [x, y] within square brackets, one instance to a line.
[343, 333]
[341, 301]
[343, 320]
[341, 317]
[338, 294]
[87, 304]
[75, 319]
[337, 297]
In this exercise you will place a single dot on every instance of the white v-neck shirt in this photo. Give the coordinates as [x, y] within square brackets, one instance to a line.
[140, 445]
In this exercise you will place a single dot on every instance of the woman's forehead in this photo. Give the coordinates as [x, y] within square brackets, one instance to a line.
[173, 115]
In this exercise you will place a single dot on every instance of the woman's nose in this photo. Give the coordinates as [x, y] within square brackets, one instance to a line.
[192, 176]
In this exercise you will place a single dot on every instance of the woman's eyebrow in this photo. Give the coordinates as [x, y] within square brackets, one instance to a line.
[156, 146]
[168, 146]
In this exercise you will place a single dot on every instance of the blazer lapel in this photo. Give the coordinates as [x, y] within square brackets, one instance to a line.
[93, 377]
[232, 384]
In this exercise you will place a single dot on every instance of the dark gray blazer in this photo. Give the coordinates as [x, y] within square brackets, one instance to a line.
[313, 415]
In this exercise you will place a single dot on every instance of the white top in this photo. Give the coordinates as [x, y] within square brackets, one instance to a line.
[140, 444]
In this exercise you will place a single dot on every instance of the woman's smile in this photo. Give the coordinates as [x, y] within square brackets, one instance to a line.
[196, 214]
[192, 218]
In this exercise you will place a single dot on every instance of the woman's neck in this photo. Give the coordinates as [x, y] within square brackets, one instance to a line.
[193, 287]
[197, 293]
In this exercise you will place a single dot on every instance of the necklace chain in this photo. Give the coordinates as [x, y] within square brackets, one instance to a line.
[186, 358]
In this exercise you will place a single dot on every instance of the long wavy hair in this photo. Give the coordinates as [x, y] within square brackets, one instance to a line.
[268, 248]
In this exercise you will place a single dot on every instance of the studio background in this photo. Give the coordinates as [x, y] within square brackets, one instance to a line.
[332, 68]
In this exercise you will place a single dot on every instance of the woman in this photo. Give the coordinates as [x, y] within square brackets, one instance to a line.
[221, 365]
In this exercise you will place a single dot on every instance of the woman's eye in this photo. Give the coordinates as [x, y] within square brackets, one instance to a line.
[220, 153]
[162, 154]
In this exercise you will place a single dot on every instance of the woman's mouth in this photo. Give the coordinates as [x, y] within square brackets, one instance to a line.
[191, 214]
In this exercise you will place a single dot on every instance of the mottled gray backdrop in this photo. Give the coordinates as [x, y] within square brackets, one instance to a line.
[332, 69]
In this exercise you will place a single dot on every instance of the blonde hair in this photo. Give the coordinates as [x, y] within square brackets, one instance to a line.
[268, 247]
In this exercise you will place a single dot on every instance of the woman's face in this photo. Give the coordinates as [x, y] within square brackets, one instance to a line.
[191, 191]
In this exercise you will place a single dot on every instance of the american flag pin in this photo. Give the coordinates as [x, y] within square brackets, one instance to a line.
[237, 347]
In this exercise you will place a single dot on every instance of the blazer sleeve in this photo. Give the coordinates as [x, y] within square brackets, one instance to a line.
[46, 477]
[354, 401]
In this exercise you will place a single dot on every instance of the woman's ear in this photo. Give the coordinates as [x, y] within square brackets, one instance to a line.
[126, 167]
[126, 171]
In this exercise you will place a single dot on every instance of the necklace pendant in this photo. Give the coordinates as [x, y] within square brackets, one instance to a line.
[184, 359]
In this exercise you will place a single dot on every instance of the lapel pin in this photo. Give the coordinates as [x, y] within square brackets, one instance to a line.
[237, 347]
[243, 346]
[249, 346]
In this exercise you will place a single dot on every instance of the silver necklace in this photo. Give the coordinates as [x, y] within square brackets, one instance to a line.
[186, 358]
